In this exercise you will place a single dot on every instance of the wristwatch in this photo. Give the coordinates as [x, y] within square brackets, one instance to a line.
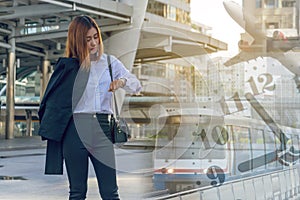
[123, 80]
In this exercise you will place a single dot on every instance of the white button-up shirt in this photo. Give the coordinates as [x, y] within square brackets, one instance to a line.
[96, 97]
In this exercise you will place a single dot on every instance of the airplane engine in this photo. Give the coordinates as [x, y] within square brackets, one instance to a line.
[278, 35]
[243, 45]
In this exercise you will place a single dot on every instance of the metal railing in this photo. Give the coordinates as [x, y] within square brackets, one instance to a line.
[281, 184]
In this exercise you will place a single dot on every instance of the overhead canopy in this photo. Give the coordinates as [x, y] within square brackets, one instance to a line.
[160, 42]
[41, 25]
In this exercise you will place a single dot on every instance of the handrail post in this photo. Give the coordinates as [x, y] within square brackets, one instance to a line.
[28, 122]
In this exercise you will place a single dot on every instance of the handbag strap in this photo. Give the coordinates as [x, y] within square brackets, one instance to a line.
[111, 78]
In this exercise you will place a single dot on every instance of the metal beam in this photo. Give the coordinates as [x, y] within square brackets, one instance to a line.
[62, 32]
[24, 50]
[126, 19]
[5, 45]
[31, 52]
[117, 7]
[42, 36]
[39, 45]
[91, 10]
[2, 30]
[32, 10]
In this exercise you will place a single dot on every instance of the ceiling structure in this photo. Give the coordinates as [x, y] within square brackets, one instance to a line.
[39, 28]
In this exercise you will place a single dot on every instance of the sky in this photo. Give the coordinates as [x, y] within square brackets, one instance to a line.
[213, 14]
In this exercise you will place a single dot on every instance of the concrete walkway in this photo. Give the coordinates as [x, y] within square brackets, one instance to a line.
[22, 176]
[20, 143]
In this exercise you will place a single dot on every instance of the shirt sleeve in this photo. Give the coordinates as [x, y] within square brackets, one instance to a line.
[132, 85]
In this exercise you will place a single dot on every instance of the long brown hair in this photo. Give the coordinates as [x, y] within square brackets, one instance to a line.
[76, 45]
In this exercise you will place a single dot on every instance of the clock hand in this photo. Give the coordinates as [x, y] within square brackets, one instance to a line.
[268, 120]
[284, 156]
[257, 162]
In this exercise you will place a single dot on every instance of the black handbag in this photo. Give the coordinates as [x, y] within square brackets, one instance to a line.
[119, 130]
[118, 126]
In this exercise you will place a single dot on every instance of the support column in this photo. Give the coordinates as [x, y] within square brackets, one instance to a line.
[45, 76]
[10, 88]
[297, 16]
[124, 44]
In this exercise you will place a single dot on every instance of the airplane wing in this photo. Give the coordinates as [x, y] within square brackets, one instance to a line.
[242, 57]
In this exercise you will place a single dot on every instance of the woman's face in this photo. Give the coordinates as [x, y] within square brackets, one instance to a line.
[92, 40]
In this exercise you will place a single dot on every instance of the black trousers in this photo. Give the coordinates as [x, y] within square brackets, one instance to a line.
[86, 139]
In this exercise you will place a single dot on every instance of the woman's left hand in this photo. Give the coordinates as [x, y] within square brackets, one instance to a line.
[116, 84]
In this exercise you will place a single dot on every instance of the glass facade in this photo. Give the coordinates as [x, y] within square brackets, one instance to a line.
[275, 14]
[288, 3]
[258, 3]
[185, 81]
[275, 3]
[271, 3]
[169, 11]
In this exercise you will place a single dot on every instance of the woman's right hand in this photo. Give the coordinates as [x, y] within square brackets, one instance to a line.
[116, 84]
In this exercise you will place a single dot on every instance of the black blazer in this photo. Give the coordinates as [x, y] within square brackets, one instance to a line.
[56, 106]
[55, 110]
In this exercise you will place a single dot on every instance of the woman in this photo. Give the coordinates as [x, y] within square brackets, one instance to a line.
[75, 110]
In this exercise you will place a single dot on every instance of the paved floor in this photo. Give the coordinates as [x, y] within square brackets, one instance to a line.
[20, 143]
[22, 167]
